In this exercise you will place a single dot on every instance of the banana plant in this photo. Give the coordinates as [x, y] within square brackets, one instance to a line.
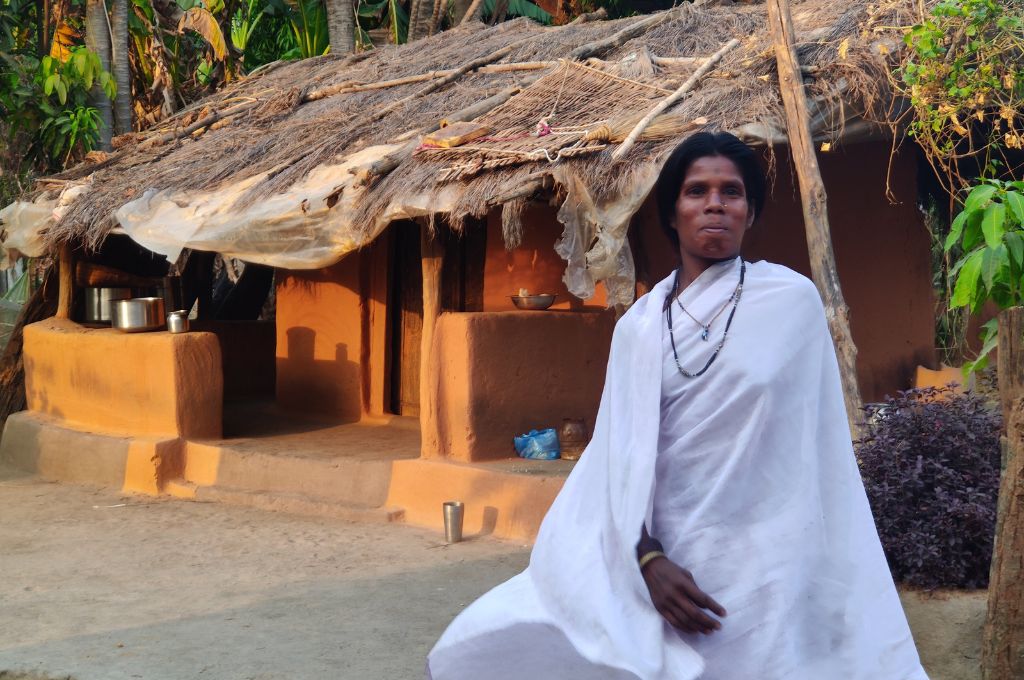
[244, 23]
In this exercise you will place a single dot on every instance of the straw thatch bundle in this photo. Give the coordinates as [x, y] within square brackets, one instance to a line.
[588, 82]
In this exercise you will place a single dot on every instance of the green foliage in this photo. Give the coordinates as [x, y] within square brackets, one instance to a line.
[307, 22]
[45, 106]
[963, 77]
[989, 232]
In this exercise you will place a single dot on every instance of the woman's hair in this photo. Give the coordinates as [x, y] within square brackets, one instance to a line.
[698, 146]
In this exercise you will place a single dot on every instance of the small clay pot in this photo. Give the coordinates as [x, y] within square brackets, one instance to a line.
[572, 438]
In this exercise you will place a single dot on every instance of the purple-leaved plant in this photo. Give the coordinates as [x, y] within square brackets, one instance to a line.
[930, 461]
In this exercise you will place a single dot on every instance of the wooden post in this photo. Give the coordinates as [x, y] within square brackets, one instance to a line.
[1002, 654]
[66, 282]
[815, 207]
[432, 256]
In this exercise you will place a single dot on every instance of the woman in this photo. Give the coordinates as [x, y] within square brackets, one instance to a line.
[716, 527]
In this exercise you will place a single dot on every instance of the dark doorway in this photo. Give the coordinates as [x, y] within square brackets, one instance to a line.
[405, 319]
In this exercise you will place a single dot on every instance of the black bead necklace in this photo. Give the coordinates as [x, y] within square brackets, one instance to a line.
[735, 299]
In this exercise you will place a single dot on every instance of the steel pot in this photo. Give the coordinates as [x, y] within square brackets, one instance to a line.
[138, 314]
[98, 302]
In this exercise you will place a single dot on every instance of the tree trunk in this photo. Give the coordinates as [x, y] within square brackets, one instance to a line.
[421, 15]
[815, 207]
[341, 25]
[122, 67]
[1002, 655]
[97, 39]
[43, 28]
[459, 9]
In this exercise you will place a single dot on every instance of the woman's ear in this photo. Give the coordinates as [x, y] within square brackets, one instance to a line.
[751, 216]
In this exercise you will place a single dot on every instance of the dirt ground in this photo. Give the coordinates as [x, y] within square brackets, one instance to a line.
[97, 585]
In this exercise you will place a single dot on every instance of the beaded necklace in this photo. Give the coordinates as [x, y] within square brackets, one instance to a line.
[735, 299]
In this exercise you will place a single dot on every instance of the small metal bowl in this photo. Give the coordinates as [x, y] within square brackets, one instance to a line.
[533, 301]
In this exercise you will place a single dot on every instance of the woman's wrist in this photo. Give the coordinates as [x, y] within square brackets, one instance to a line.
[649, 557]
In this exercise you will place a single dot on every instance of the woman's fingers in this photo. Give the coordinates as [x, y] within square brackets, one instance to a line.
[702, 599]
[702, 621]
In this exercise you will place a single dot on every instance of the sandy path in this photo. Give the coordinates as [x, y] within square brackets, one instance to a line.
[159, 589]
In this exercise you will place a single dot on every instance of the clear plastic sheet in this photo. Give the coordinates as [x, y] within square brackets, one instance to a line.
[595, 240]
[23, 223]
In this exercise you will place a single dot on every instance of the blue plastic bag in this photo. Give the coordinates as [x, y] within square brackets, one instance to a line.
[542, 445]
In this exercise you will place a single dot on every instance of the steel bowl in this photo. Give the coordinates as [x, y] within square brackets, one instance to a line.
[137, 315]
[533, 301]
[99, 301]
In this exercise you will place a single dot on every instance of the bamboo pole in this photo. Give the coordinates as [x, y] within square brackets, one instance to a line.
[668, 101]
[1002, 652]
[815, 205]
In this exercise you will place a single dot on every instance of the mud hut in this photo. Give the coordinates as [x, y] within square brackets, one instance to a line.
[394, 251]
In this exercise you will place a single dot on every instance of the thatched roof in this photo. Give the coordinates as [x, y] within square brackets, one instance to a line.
[301, 162]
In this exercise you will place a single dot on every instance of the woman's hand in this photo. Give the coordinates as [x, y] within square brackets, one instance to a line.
[676, 597]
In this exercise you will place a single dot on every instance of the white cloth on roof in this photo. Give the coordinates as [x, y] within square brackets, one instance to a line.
[747, 476]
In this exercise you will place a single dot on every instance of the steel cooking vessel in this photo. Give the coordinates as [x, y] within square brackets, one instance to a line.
[98, 302]
[136, 315]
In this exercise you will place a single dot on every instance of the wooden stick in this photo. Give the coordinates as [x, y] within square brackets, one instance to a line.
[815, 205]
[600, 14]
[531, 185]
[346, 88]
[668, 101]
[66, 282]
[385, 165]
[1002, 652]
[599, 47]
[471, 12]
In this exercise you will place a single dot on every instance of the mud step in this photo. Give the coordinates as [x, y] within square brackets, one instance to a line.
[348, 481]
[292, 503]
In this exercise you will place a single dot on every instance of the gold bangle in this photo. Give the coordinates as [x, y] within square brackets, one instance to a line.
[654, 554]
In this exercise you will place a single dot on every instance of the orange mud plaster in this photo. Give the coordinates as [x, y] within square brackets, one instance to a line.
[140, 384]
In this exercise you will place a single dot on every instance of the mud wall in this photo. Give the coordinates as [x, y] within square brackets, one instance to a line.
[534, 265]
[499, 374]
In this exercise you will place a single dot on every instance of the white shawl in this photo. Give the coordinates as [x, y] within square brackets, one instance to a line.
[773, 521]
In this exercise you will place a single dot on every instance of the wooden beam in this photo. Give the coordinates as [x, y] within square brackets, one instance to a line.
[89, 275]
[66, 282]
[815, 204]
[1002, 652]
[431, 259]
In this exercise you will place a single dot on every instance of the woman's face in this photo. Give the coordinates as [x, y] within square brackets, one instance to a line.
[712, 211]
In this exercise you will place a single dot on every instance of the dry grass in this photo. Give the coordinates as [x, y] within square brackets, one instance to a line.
[284, 136]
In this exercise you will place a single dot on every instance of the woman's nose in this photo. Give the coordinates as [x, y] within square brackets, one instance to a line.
[715, 202]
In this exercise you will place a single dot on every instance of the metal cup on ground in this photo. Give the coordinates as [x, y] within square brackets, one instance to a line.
[453, 514]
